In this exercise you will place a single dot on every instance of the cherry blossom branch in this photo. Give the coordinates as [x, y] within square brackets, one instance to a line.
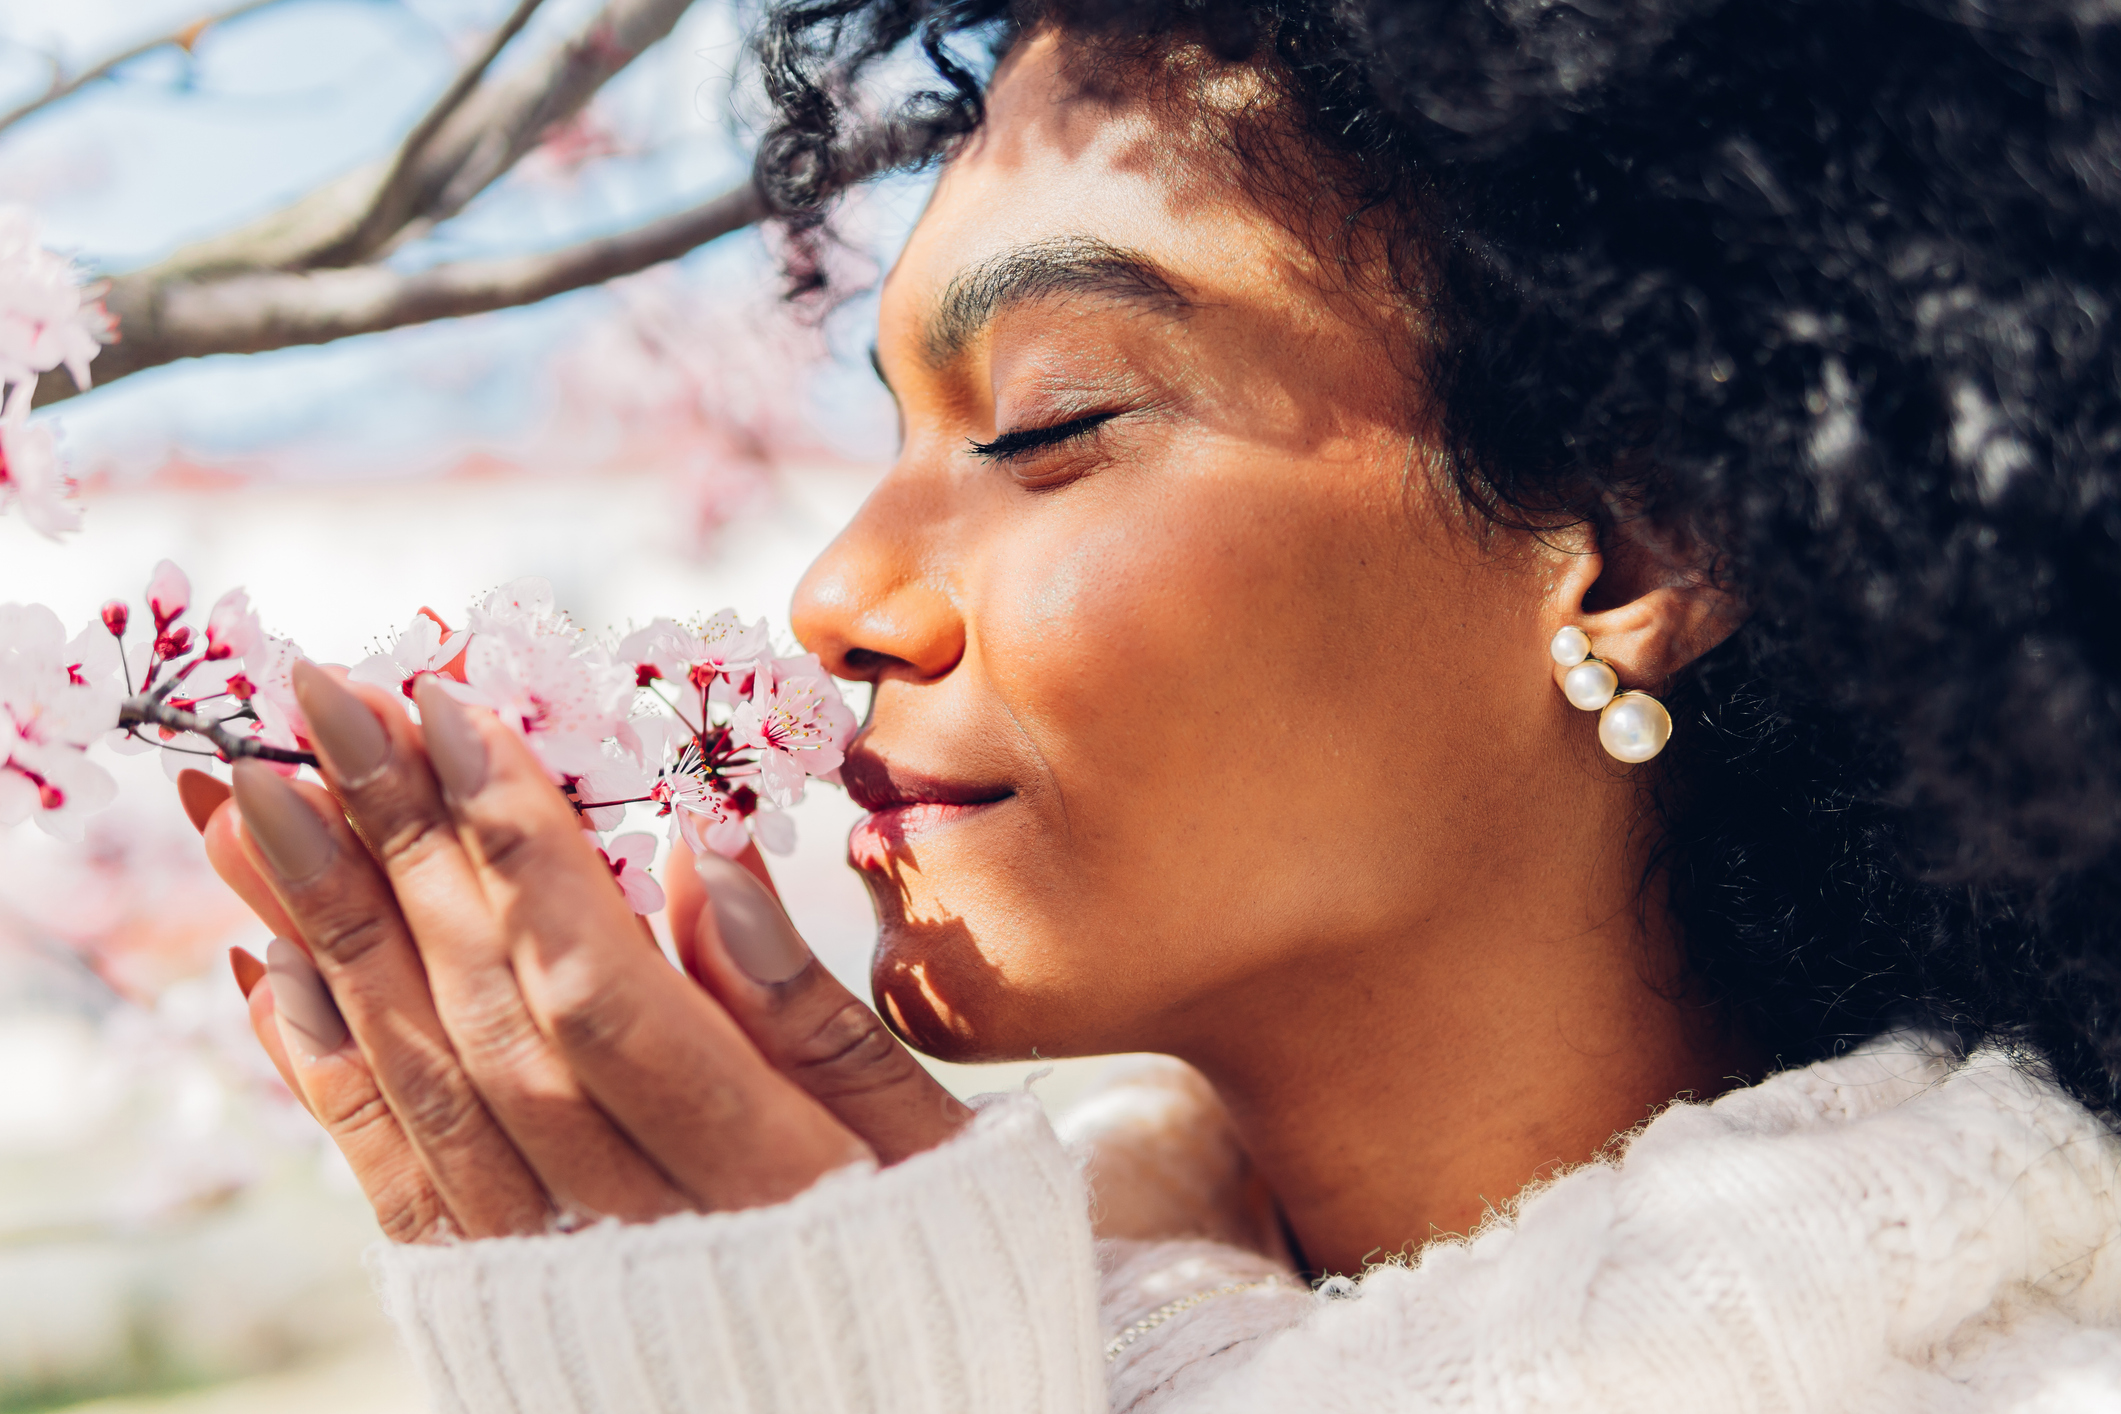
[183, 38]
[252, 313]
[150, 711]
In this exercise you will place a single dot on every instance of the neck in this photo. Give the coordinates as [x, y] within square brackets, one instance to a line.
[1421, 1083]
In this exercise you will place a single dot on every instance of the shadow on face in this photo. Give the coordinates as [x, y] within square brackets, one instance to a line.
[1193, 687]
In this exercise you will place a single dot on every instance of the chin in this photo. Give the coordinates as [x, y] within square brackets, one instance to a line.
[937, 991]
[944, 994]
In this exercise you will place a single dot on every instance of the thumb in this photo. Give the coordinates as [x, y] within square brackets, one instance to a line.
[744, 950]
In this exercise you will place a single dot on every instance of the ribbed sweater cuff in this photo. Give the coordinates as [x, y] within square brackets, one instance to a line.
[960, 1280]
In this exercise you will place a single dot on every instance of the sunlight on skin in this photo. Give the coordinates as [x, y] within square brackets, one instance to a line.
[1247, 749]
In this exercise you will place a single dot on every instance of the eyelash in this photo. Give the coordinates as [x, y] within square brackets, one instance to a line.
[1011, 445]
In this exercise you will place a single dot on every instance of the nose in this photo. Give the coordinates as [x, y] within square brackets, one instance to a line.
[877, 603]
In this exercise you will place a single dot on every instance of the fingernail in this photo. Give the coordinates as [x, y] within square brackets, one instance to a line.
[309, 1019]
[201, 795]
[453, 742]
[247, 969]
[352, 741]
[288, 833]
[755, 928]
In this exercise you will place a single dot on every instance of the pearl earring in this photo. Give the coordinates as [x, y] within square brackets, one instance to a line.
[1632, 726]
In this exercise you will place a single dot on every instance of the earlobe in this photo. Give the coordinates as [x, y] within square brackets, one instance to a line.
[1650, 614]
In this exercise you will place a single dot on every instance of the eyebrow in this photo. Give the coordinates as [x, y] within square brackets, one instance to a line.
[1065, 265]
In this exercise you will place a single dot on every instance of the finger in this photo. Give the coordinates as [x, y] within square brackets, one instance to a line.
[658, 1054]
[373, 759]
[301, 1029]
[741, 946]
[224, 850]
[249, 973]
[296, 839]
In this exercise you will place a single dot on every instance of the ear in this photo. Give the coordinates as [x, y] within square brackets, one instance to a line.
[1648, 604]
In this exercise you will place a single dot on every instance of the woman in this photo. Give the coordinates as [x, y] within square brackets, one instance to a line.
[1292, 397]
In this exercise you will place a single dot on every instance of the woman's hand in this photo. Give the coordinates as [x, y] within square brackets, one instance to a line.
[513, 1047]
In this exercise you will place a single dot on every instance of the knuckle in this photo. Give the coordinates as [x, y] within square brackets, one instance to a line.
[349, 933]
[847, 1052]
[442, 1112]
[507, 844]
[404, 840]
[354, 1127]
[406, 1210]
[367, 1131]
[493, 1031]
[588, 1013]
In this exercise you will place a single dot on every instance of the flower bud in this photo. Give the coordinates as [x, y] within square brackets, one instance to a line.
[168, 592]
[232, 629]
[116, 614]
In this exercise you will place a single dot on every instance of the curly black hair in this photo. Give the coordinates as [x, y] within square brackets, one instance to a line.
[1836, 281]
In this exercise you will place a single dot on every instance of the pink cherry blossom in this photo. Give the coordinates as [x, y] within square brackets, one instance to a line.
[520, 606]
[232, 628]
[566, 699]
[168, 594]
[33, 480]
[708, 821]
[621, 778]
[268, 675]
[47, 721]
[798, 724]
[424, 647]
[91, 658]
[47, 318]
[664, 649]
[729, 646]
[774, 831]
[628, 857]
[721, 646]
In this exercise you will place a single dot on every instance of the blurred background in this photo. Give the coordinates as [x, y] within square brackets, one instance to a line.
[174, 1234]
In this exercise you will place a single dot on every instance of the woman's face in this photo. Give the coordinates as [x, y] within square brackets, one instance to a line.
[1192, 691]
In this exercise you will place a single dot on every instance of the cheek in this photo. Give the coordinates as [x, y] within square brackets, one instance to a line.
[1216, 670]
[1264, 717]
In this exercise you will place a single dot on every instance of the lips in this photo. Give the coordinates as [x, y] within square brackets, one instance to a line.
[903, 803]
[877, 785]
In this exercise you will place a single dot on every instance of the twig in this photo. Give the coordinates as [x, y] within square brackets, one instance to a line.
[254, 313]
[145, 711]
[497, 123]
[187, 36]
[386, 214]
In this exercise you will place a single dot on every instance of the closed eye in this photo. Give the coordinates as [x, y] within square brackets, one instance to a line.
[1010, 445]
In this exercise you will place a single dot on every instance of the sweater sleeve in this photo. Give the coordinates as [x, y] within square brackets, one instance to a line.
[960, 1280]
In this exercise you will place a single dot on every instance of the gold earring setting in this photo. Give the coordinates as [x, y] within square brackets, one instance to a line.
[1632, 726]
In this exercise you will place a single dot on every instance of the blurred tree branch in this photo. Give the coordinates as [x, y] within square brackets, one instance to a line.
[184, 38]
[388, 212]
[260, 310]
[307, 274]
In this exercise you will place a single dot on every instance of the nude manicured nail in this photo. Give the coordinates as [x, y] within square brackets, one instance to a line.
[310, 1023]
[348, 735]
[453, 742]
[201, 795]
[755, 928]
[288, 833]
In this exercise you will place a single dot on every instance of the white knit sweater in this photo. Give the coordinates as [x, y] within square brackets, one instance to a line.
[1894, 1230]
